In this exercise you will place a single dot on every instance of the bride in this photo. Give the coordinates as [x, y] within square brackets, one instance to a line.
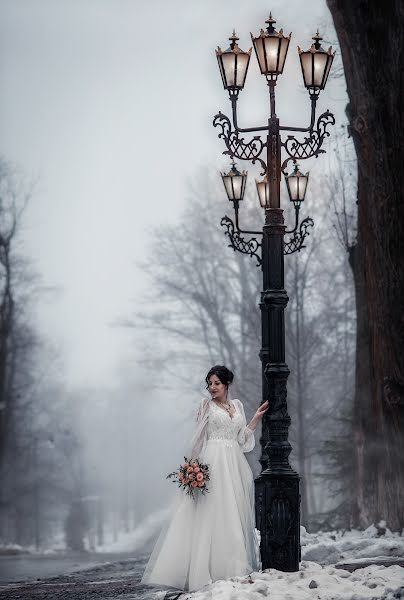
[213, 536]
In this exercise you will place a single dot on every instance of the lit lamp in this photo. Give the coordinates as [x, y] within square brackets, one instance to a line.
[296, 183]
[271, 47]
[234, 183]
[263, 192]
[316, 64]
[233, 65]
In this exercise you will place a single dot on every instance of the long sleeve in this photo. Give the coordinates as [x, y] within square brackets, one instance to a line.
[199, 437]
[245, 437]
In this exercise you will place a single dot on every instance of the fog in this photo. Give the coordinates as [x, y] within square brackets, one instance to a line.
[106, 114]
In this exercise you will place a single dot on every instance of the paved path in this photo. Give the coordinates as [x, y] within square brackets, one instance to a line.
[108, 581]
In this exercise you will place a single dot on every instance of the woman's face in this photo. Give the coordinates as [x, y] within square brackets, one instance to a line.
[216, 388]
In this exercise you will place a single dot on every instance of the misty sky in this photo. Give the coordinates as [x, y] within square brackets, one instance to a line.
[107, 105]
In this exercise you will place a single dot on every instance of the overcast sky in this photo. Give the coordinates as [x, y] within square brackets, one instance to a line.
[107, 105]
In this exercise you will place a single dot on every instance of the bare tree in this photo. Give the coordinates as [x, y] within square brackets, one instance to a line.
[13, 200]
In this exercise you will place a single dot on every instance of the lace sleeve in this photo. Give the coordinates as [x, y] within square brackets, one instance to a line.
[198, 441]
[245, 436]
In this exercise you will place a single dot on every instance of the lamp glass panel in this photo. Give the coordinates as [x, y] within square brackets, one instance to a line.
[263, 193]
[242, 65]
[219, 62]
[228, 186]
[229, 65]
[272, 54]
[328, 67]
[306, 62]
[243, 186]
[237, 181]
[293, 187]
[320, 64]
[259, 48]
[282, 53]
[302, 185]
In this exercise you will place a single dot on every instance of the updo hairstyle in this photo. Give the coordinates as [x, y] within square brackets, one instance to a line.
[224, 375]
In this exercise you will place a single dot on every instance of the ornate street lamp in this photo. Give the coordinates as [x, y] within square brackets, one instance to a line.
[233, 65]
[263, 192]
[271, 48]
[277, 487]
[234, 183]
[296, 184]
[316, 64]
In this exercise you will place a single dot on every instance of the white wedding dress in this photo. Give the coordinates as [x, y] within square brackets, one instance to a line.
[212, 536]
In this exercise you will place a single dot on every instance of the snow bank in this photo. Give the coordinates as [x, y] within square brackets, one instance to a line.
[336, 546]
[312, 581]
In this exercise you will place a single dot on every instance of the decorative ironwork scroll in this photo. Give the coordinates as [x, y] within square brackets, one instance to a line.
[237, 242]
[236, 146]
[311, 146]
[295, 243]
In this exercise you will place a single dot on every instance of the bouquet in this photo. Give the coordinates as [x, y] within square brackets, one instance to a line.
[192, 475]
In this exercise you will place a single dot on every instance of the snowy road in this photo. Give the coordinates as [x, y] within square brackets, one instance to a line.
[106, 581]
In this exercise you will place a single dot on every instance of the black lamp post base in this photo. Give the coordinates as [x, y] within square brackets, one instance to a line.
[278, 519]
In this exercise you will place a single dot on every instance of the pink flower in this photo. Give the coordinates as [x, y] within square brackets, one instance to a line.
[196, 469]
[199, 477]
[194, 483]
[190, 470]
[201, 483]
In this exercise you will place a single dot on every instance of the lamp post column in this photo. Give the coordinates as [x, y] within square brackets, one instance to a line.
[277, 487]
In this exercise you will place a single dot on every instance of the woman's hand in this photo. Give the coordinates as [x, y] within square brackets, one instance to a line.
[261, 410]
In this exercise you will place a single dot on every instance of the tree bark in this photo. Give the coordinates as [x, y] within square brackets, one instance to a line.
[363, 391]
[371, 39]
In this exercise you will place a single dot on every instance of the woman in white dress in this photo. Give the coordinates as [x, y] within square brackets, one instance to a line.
[213, 536]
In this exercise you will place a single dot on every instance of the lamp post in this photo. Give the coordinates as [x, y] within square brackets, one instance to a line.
[277, 486]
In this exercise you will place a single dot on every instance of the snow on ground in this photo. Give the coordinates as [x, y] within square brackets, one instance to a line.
[313, 581]
[318, 579]
[345, 546]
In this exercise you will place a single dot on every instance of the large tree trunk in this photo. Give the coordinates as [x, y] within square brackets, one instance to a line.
[363, 391]
[371, 39]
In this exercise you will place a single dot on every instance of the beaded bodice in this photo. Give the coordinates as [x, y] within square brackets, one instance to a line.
[220, 425]
[214, 423]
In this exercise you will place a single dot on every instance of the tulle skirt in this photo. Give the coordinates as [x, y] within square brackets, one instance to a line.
[213, 536]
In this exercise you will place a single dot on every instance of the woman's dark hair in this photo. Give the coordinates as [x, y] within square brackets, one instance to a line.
[224, 375]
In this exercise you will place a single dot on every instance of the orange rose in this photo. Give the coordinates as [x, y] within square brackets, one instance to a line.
[194, 483]
[199, 477]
